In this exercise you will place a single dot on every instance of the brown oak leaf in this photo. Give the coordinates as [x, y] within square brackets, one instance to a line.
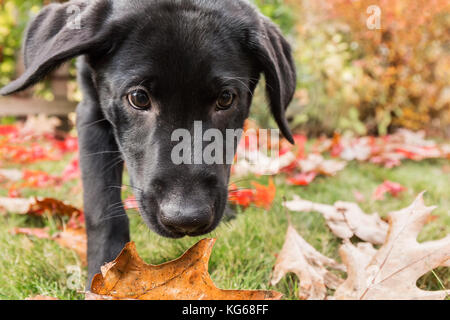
[187, 278]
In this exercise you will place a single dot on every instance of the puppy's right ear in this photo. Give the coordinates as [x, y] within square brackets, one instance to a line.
[59, 33]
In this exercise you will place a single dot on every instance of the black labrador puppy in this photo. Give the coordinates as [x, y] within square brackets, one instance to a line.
[147, 68]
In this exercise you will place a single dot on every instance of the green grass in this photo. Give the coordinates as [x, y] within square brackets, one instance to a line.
[246, 248]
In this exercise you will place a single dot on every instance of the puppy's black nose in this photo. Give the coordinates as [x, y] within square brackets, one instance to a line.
[190, 221]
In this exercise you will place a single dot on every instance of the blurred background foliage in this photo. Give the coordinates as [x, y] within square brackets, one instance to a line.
[350, 78]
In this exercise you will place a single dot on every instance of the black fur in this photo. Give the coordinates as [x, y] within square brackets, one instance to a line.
[184, 53]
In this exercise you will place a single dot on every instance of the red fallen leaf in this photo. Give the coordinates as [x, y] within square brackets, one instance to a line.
[261, 196]
[241, 197]
[302, 179]
[39, 179]
[418, 153]
[6, 130]
[69, 144]
[72, 171]
[336, 146]
[131, 203]
[390, 187]
[28, 153]
[14, 193]
[264, 195]
[40, 233]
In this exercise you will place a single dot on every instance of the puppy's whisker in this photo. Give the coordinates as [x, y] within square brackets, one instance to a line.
[118, 214]
[99, 153]
[139, 189]
[92, 123]
[119, 204]
[115, 162]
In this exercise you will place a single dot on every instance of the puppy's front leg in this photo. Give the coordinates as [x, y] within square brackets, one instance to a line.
[106, 220]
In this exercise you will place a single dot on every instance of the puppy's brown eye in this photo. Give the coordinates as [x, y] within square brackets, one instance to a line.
[139, 99]
[226, 100]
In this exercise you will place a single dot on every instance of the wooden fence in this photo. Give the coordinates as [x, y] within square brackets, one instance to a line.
[25, 103]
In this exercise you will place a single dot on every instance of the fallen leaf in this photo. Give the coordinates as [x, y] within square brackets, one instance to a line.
[37, 207]
[74, 239]
[261, 197]
[302, 179]
[40, 233]
[393, 188]
[388, 151]
[53, 207]
[42, 298]
[187, 278]
[11, 174]
[264, 195]
[16, 205]
[40, 125]
[257, 163]
[299, 257]
[241, 197]
[318, 164]
[393, 271]
[72, 171]
[345, 219]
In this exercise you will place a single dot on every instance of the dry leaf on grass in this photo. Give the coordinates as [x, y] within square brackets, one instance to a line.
[258, 163]
[38, 206]
[75, 239]
[299, 257]
[345, 219]
[317, 163]
[40, 233]
[187, 278]
[11, 175]
[393, 271]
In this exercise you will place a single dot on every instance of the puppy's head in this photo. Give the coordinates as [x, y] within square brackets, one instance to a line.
[175, 80]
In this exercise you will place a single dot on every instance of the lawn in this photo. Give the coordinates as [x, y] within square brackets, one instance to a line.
[246, 249]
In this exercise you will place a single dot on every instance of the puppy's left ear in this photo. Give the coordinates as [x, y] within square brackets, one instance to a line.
[274, 55]
[52, 38]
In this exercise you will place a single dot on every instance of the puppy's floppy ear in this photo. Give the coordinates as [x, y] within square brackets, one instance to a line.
[274, 55]
[59, 33]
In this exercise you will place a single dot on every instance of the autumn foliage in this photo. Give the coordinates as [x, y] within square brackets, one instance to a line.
[357, 75]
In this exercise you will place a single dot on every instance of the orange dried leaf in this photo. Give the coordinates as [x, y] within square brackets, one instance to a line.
[264, 195]
[187, 278]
